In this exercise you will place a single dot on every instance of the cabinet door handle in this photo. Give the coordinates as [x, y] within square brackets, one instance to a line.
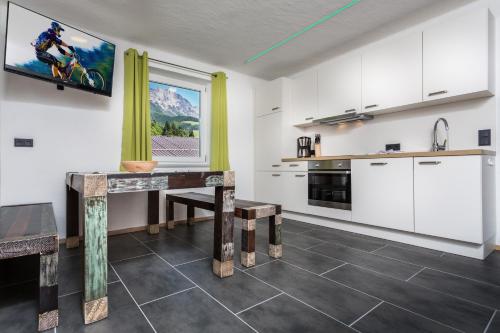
[429, 163]
[275, 108]
[350, 110]
[378, 163]
[276, 175]
[276, 165]
[309, 118]
[371, 106]
[300, 176]
[438, 93]
[441, 92]
[293, 165]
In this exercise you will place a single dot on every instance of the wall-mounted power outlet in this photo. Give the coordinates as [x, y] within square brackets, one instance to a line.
[484, 137]
[19, 142]
[393, 147]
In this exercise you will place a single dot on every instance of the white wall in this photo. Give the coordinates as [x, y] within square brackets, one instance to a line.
[79, 131]
[413, 129]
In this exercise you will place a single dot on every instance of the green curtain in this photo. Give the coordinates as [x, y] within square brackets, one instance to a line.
[219, 159]
[136, 137]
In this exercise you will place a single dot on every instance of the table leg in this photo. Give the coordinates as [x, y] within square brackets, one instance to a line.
[48, 313]
[72, 215]
[248, 243]
[190, 215]
[222, 264]
[95, 300]
[170, 214]
[153, 212]
[275, 247]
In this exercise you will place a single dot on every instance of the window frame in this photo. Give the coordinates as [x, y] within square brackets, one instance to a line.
[204, 159]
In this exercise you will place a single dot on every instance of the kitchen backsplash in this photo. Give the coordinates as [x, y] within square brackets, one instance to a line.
[413, 129]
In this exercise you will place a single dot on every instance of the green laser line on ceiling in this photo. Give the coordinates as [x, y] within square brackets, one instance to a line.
[302, 31]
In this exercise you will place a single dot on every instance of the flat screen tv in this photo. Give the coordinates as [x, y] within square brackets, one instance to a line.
[44, 48]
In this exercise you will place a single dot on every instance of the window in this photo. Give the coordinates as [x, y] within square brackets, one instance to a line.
[178, 121]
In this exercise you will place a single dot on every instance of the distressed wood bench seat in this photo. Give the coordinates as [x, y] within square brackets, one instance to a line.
[28, 230]
[247, 211]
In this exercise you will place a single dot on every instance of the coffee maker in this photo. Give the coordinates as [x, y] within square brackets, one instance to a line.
[304, 146]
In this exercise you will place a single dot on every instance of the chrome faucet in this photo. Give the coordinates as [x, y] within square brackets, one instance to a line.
[435, 145]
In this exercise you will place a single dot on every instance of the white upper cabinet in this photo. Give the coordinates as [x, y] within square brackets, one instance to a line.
[268, 98]
[392, 73]
[304, 99]
[458, 56]
[339, 86]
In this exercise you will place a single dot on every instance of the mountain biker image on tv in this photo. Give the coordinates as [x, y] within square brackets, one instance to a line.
[45, 41]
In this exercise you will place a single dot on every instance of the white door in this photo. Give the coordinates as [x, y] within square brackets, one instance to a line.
[268, 139]
[455, 55]
[448, 197]
[392, 73]
[382, 192]
[295, 191]
[304, 97]
[269, 187]
[268, 98]
[339, 86]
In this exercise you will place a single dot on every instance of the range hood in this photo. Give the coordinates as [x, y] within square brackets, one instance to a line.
[343, 118]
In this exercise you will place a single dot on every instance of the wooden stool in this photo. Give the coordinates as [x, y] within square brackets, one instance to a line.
[247, 211]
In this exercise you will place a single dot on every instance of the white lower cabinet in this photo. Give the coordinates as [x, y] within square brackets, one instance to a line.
[269, 187]
[295, 191]
[382, 192]
[449, 197]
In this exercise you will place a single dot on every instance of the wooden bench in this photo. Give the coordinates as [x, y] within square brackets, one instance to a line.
[248, 211]
[28, 230]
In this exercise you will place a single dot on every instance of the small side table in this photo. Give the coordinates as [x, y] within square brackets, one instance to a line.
[27, 230]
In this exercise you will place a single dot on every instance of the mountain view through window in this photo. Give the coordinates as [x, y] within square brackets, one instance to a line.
[175, 120]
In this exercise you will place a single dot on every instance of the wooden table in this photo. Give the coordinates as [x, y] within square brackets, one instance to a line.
[28, 230]
[87, 200]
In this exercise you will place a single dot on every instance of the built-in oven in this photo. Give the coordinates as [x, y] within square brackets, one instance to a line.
[330, 184]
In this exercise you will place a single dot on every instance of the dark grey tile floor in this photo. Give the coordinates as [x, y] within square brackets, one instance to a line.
[327, 281]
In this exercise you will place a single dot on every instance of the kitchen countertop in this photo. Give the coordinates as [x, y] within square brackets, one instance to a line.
[396, 155]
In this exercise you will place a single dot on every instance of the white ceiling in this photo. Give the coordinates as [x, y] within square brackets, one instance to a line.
[226, 32]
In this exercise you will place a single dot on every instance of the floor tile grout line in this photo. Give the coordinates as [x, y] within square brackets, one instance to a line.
[260, 303]
[264, 263]
[372, 296]
[166, 296]
[295, 298]
[402, 261]
[397, 306]
[399, 260]
[173, 236]
[366, 313]
[203, 290]
[80, 291]
[440, 270]
[420, 271]
[191, 261]
[380, 248]
[133, 299]
[125, 259]
[489, 322]
[69, 294]
[454, 296]
[331, 269]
